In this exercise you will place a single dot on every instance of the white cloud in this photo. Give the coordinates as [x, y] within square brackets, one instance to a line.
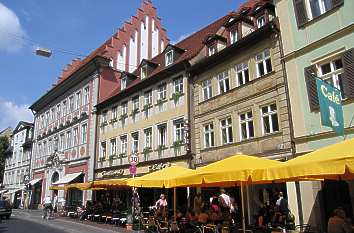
[11, 32]
[11, 114]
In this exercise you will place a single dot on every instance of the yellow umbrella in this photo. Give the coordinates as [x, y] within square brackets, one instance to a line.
[163, 178]
[109, 183]
[331, 162]
[226, 172]
[55, 187]
[80, 186]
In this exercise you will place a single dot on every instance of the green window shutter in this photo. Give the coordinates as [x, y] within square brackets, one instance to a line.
[348, 75]
[300, 12]
[310, 78]
[336, 3]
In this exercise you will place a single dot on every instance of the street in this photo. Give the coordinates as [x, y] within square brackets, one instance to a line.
[31, 222]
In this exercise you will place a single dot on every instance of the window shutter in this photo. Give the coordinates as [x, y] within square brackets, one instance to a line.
[310, 77]
[348, 76]
[300, 12]
[336, 3]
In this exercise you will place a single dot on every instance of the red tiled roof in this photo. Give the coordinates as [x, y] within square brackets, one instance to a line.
[192, 46]
[250, 4]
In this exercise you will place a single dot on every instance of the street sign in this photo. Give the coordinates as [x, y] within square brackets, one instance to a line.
[329, 99]
[133, 159]
[26, 179]
[132, 169]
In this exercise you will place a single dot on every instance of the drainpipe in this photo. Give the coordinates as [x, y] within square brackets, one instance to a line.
[291, 126]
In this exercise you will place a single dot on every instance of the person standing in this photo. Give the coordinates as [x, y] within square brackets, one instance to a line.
[225, 205]
[47, 205]
[338, 223]
[197, 203]
[161, 206]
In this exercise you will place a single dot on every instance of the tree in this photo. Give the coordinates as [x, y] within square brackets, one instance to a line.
[4, 145]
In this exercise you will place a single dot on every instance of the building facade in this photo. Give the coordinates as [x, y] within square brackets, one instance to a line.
[317, 38]
[65, 117]
[240, 101]
[17, 164]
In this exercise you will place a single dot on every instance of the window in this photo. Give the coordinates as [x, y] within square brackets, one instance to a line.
[68, 139]
[233, 36]
[178, 131]
[103, 150]
[242, 74]
[224, 82]
[47, 115]
[207, 89]
[75, 136]
[226, 131]
[124, 108]
[62, 142]
[162, 134]
[71, 103]
[144, 70]
[135, 101]
[161, 91]
[270, 119]
[209, 135]
[85, 98]
[58, 111]
[78, 100]
[319, 7]
[148, 97]
[148, 138]
[123, 144]
[135, 142]
[211, 50]
[113, 150]
[64, 108]
[178, 85]
[114, 112]
[264, 65]
[104, 116]
[261, 21]
[50, 147]
[83, 133]
[124, 83]
[169, 58]
[332, 72]
[246, 125]
[53, 114]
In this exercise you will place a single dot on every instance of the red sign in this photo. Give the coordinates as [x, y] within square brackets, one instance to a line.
[132, 169]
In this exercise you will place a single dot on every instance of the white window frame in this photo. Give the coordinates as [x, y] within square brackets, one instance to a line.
[68, 139]
[104, 116]
[261, 58]
[144, 71]
[123, 84]
[211, 50]
[247, 121]
[113, 146]
[148, 137]
[223, 78]
[227, 127]
[135, 142]
[136, 102]
[103, 146]
[65, 108]
[84, 133]
[85, 98]
[162, 91]
[334, 77]
[148, 97]
[162, 142]
[71, 103]
[124, 107]
[77, 100]
[123, 144]
[114, 111]
[241, 70]
[178, 130]
[207, 89]
[62, 142]
[269, 115]
[58, 111]
[261, 21]
[75, 136]
[321, 5]
[209, 139]
[233, 36]
[178, 85]
[169, 58]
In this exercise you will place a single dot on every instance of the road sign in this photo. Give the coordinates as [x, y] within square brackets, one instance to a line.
[26, 179]
[133, 159]
[132, 169]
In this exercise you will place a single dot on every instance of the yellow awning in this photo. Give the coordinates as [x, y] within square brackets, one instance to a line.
[109, 183]
[56, 187]
[331, 162]
[163, 178]
[226, 172]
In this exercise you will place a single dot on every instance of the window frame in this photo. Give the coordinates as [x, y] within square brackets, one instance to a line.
[123, 144]
[169, 58]
[207, 89]
[263, 60]
[246, 121]
[228, 130]
[178, 132]
[222, 78]
[162, 138]
[241, 69]
[83, 133]
[209, 142]
[269, 115]
[148, 138]
[135, 142]
[123, 83]
[178, 85]
[162, 91]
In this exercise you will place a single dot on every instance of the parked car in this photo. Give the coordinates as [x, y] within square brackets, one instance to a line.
[5, 209]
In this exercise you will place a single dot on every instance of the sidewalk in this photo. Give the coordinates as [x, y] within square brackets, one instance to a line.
[68, 224]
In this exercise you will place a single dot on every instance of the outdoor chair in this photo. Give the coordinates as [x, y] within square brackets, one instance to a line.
[304, 228]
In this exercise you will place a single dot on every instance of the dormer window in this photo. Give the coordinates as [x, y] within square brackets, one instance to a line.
[261, 21]
[233, 36]
[144, 72]
[211, 50]
[124, 83]
[169, 58]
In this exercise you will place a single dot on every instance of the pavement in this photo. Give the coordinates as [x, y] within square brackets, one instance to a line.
[30, 221]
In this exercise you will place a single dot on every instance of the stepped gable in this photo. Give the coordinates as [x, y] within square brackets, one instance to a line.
[121, 38]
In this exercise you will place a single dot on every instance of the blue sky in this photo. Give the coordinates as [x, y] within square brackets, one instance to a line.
[79, 26]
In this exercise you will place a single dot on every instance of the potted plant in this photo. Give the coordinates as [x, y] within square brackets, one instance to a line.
[123, 116]
[134, 112]
[113, 120]
[146, 107]
[160, 148]
[176, 96]
[161, 101]
[101, 159]
[146, 152]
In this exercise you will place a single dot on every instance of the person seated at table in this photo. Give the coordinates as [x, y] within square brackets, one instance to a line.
[277, 218]
[339, 223]
[261, 219]
[203, 216]
[161, 207]
[190, 216]
[215, 211]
